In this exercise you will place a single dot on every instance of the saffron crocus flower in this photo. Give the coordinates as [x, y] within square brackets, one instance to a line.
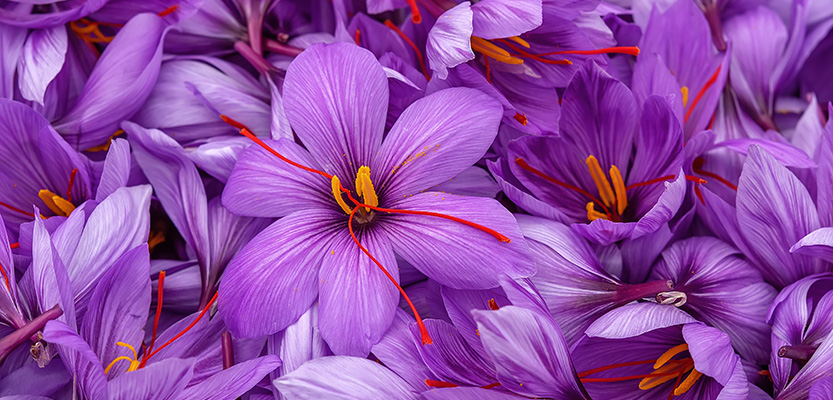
[801, 324]
[623, 178]
[650, 351]
[314, 251]
[104, 358]
[716, 286]
[38, 168]
[575, 285]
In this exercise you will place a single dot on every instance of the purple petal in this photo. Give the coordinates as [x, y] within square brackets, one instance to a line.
[510, 186]
[603, 232]
[399, 351]
[450, 358]
[822, 389]
[452, 253]
[598, 117]
[651, 77]
[357, 302]
[495, 19]
[336, 101]
[12, 40]
[156, 381]
[783, 152]
[435, 139]
[177, 184]
[233, 382]
[635, 319]
[118, 309]
[473, 181]
[290, 188]
[79, 359]
[467, 393]
[775, 211]
[42, 59]
[217, 157]
[817, 368]
[818, 243]
[449, 41]
[529, 351]
[711, 350]
[344, 378]
[274, 279]
[298, 343]
[116, 171]
[665, 208]
[119, 84]
[460, 304]
[51, 282]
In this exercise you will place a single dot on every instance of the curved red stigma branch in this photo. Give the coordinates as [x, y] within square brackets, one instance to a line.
[410, 43]
[702, 93]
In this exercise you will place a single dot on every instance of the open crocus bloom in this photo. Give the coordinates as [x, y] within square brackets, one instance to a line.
[350, 199]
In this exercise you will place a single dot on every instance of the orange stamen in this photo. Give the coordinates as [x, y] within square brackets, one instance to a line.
[630, 50]
[702, 93]
[416, 17]
[697, 168]
[168, 11]
[439, 384]
[426, 338]
[411, 43]
[493, 305]
[184, 331]
[71, 181]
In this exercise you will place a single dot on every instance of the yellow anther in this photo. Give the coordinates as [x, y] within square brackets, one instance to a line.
[106, 146]
[670, 354]
[592, 214]
[688, 382]
[335, 184]
[489, 49]
[602, 184]
[57, 204]
[684, 91]
[364, 188]
[134, 362]
[518, 40]
[619, 189]
[666, 373]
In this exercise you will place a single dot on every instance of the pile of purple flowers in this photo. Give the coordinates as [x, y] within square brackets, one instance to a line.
[416, 199]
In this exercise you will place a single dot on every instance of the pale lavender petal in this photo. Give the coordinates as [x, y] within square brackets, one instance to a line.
[42, 59]
[51, 282]
[635, 319]
[473, 181]
[435, 139]
[274, 279]
[453, 253]
[450, 358]
[116, 171]
[711, 350]
[399, 351]
[783, 152]
[449, 41]
[357, 301]
[818, 243]
[336, 99]
[233, 382]
[156, 381]
[495, 19]
[79, 359]
[343, 378]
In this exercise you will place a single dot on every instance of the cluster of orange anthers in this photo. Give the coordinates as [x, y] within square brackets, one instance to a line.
[61, 206]
[357, 205]
[90, 31]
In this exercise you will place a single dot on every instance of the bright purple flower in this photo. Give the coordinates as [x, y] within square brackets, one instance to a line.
[624, 178]
[801, 323]
[336, 101]
[650, 351]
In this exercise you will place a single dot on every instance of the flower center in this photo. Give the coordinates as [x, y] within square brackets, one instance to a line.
[364, 189]
[665, 368]
[134, 362]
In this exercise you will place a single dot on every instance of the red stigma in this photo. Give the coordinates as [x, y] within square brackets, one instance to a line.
[523, 164]
[159, 289]
[168, 11]
[697, 167]
[630, 50]
[416, 17]
[493, 305]
[521, 118]
[14, 245]
[6, 277]
[702, 93]
[357, 37]
[439, 384]
[15, 209]
[184, 331]
[411, 43]
[71, 181]
[651, 182]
